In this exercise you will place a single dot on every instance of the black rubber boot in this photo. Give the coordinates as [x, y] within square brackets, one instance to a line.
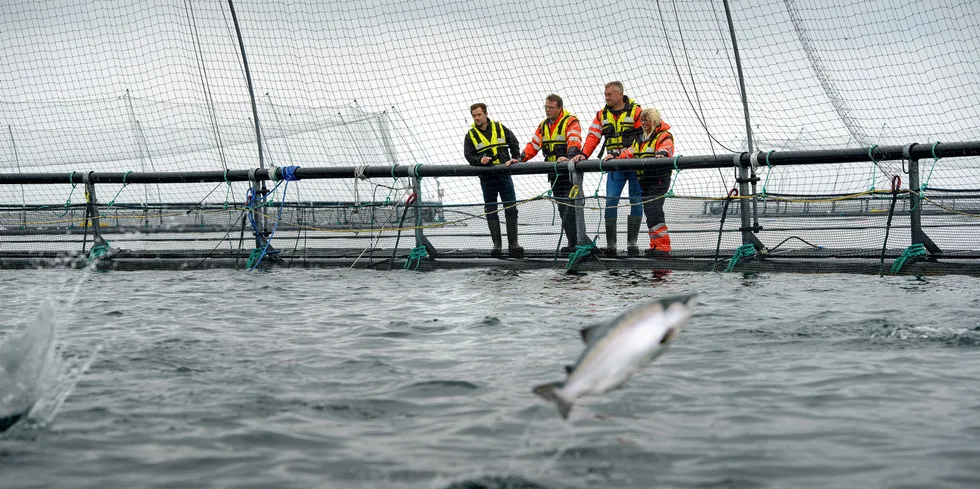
[632, 233]
[512, 246]
[611, 238]
[494, 226]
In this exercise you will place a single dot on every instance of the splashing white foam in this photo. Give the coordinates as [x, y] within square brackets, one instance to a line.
[35, 375]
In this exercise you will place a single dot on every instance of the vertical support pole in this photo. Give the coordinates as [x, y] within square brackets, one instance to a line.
[260, 189]
[748, 236]
[253, 204]
[139, 154]
[386, 143]
[581, 235]
[420, 239]
[915, 207]
[745, 174]
[92, 211]
[23, 201]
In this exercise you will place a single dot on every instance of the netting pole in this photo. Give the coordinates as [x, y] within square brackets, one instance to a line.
[23, 201]
[746, 228]
[741, 77]
[420, 239]
[915, 208]
[261, 190]
[745, 175]
[581, 233]
[139, 154]
[92, 212]
[255, 202]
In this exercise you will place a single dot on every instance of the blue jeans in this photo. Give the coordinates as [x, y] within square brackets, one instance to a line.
[501, 185]
[615, 181]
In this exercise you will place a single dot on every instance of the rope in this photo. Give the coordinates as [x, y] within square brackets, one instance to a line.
[670, 191]
[113, 201]
[764, 194]
[255, 257]
[721, 227]
[68, 201]
[896, 183]
[742, 253]
[227, 190]
[288, 175]
[908, 256]
[392, 188]
[416, 256]
[874, 166]
[925, 186]
[581, 251]
[98, 251]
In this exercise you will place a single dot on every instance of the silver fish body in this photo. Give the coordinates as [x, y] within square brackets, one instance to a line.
[619, 348]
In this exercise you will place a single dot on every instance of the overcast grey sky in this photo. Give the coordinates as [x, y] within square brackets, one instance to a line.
[819, 74]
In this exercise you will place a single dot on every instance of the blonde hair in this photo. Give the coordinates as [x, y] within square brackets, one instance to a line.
[653, 115]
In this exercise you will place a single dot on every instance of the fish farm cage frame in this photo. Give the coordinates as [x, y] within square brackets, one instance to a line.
[85, 233]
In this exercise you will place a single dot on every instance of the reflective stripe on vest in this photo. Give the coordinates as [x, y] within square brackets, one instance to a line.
[648, 148]
[492, 146]
[554, 144]
[625, 122]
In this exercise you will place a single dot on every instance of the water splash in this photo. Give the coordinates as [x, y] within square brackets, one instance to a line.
[940, 334]
[36, 376]
[27, 358]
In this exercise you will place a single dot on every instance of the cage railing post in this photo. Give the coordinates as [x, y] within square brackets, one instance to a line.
[258, 195]
[747, 229]
[92, 211]
[915, 205]
[581, 234]
[420, 239]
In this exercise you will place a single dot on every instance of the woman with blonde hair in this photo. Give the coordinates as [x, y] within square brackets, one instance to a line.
[655, 142]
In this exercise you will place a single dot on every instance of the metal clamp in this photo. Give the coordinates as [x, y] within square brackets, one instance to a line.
[907, 154]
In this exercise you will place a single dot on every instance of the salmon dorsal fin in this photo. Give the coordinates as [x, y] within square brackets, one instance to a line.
[591, 334]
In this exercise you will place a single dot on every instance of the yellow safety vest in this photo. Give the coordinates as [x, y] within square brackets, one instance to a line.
[498, 139]
[554, 144]
[648, 148]
[625, 123]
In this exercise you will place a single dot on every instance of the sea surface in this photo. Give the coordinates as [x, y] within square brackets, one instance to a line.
[401, 379]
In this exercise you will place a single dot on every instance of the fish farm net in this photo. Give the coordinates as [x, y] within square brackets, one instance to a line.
[809, 136]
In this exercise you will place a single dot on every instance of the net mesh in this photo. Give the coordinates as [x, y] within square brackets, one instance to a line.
[160, 87]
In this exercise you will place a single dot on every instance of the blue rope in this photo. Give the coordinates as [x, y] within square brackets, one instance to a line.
[288, 175]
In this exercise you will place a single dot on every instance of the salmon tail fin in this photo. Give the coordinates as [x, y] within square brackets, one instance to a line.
[8, 421]
[550, 392]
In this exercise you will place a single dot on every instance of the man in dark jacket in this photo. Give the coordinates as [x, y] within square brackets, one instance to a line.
[491, 143]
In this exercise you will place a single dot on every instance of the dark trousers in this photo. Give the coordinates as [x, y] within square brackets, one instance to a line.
[560, 187]
[503, 186]
[654, 185]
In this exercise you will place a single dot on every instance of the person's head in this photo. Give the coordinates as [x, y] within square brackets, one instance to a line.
[479, 113]
[553, 106]
[649, 119]
[614, 94]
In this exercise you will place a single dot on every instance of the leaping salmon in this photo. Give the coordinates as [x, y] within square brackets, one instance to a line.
[615, 350]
